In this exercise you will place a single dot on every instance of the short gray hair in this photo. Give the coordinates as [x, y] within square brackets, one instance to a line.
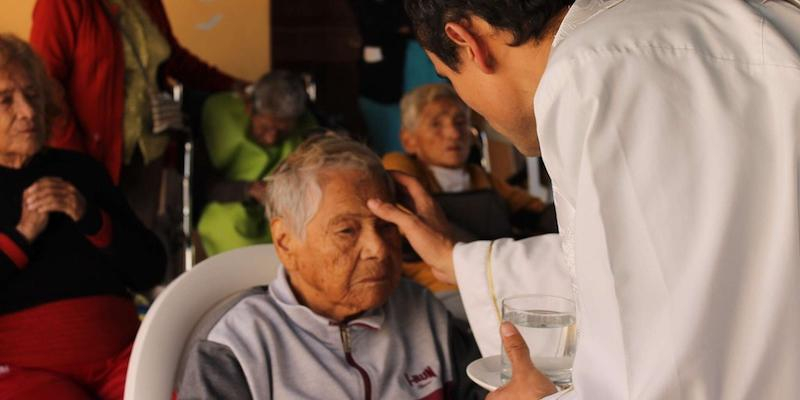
[281, 94]
[413, 102]
[293, 189]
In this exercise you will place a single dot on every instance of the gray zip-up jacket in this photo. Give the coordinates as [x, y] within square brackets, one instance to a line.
[268, 346]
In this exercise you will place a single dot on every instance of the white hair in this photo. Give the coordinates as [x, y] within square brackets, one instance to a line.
[280, 93]
[413, 102]
[293, 189]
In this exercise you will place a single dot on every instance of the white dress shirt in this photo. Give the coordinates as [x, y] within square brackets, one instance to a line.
[671, 130]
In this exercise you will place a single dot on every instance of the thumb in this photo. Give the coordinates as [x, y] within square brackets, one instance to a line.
[516, 349]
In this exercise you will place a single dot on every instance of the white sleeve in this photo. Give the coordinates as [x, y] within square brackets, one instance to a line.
[488, 271]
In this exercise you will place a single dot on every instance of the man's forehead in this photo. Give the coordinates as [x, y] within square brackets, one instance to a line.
[351, 216]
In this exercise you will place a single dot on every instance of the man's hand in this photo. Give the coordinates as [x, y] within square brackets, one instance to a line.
[51, 194]
[527, 382]
[423, 224]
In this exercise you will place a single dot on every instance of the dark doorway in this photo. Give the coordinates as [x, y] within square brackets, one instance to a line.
[320, 38]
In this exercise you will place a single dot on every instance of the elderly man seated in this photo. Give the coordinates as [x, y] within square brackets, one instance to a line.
[338, 322]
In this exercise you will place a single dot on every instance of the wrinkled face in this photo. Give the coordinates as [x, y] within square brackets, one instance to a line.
[497, 99]
[268, 130]
[442, 135]
[349, 259]
[22, 105]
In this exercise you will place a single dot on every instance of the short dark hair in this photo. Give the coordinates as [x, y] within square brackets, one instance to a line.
[526, 20]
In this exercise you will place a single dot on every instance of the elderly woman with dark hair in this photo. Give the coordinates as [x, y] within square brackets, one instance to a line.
[70, 249]
[338, 322]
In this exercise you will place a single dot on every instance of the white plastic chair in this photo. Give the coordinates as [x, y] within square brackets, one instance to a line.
[169, 322]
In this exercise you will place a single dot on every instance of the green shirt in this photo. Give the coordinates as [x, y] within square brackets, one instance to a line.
[237, 157]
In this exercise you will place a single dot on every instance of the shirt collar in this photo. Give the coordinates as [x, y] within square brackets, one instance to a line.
[309, 321]
[579, 13]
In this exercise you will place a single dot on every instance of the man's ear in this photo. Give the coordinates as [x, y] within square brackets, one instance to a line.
[284, 241]
[409, 141]
[474, 46]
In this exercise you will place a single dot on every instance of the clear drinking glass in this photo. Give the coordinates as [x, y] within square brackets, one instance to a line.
[547, 323]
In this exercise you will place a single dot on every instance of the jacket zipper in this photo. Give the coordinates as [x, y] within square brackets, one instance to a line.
[348, 355]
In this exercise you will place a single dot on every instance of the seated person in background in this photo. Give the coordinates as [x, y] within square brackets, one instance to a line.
[70, 250]
[435, 134]
[337, 322]
[246, 139]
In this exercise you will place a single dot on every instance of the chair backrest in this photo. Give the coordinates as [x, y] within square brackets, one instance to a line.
[169, 322]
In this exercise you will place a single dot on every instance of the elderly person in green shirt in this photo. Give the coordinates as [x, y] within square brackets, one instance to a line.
[247, 136]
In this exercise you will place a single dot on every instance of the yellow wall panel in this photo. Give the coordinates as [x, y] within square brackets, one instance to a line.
[234, 35]
[15, 17]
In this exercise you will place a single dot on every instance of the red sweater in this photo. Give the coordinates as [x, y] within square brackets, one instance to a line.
[82, 50]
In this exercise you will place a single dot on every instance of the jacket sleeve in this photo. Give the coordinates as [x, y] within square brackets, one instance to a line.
[14, 253]
[213, 372]
[53, 36]
[222, 130]
[184, 66]
[488, 271]
[111, 225]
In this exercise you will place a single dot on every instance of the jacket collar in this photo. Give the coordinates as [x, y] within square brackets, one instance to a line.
[580, 13]
[315, 324]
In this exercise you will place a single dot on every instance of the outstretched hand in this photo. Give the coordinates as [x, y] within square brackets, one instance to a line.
[527, 382]
[423, 223]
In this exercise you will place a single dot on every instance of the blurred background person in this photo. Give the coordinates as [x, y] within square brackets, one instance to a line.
[246, 136]
[119, 54]
[70, 251]
[436, 136]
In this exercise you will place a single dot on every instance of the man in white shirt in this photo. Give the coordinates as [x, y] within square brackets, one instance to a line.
[671, 131]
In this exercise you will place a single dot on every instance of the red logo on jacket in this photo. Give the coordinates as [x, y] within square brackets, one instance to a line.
[421, 378]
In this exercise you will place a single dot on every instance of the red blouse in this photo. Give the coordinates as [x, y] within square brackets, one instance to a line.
[82, 50]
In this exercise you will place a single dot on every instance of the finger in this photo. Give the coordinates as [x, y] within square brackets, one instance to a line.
[45, 184]
[50, 204]
[404, 220]
[433, 246]
[43, 194]
[65, 204]
[422, 237]
[516, 349]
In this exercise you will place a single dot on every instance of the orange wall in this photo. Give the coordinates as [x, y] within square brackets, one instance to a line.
[15, 16]
[231, 34]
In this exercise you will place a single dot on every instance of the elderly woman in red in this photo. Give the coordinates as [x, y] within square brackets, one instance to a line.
[70, 251]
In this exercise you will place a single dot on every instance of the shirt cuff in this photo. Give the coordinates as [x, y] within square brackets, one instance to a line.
[15, 247]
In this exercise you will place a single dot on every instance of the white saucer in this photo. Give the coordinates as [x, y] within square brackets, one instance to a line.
[486, 372]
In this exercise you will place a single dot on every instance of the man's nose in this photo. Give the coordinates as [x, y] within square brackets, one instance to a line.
[373, 245]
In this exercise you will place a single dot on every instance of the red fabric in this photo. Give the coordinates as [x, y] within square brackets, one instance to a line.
[65, 333]
[102, 238]
[437, 395]
[104, 379]
[17, 255]
[83, 51]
